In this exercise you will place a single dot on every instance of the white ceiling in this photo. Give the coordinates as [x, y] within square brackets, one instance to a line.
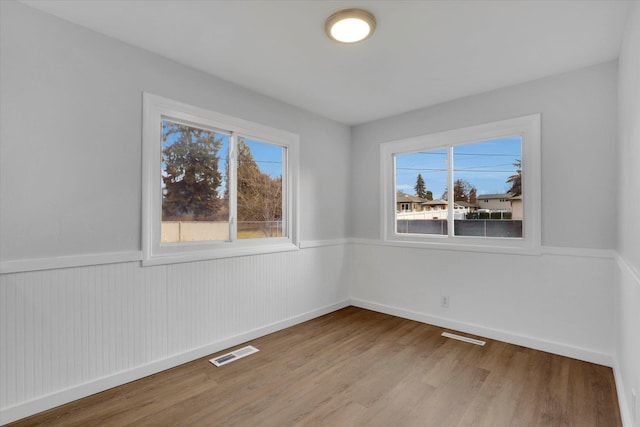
[423, 52]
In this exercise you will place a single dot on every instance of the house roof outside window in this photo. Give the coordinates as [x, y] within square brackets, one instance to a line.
[403, 197]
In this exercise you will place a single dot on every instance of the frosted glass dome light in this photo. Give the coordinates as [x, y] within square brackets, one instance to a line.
[350, 25]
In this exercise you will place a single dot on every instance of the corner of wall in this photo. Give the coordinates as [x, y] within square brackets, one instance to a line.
[627, 277]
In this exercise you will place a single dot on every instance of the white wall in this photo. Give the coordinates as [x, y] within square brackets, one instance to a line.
[561, 301]
[71, 131]
[579, 157]
[561, 304]
[70, 179]
[627, 324]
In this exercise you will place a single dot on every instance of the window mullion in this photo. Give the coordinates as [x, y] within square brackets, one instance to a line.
[285, 192]
[233, 187]
[450, 194]
[392, 224]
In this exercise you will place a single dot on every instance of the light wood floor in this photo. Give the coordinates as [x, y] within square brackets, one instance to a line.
[356, 367]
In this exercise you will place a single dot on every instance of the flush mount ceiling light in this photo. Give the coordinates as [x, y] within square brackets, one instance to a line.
[350, 25]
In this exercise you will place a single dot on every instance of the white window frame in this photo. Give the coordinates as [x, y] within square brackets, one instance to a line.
[528, 127]
[156, 109]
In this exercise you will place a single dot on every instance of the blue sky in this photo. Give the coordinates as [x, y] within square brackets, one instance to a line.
[485, 165]
[267, 156]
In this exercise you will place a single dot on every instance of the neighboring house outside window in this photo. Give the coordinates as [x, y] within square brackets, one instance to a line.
[495, 202]
[461, 165]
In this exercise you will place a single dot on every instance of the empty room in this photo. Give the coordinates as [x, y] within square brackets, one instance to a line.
[309, 212]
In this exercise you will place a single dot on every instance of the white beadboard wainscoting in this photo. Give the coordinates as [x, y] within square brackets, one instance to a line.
[560, 301]
[71, 332]
[627, 329]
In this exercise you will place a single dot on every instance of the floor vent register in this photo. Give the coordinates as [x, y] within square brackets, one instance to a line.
[234, 355]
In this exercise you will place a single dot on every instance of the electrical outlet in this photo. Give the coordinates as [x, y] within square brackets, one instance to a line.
[444, 301]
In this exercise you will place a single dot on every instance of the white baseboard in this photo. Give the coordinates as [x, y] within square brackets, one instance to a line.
[61, 397]
[497, 334]
[625, 411]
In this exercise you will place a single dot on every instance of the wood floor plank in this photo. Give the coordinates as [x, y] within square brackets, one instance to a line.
[356, 367]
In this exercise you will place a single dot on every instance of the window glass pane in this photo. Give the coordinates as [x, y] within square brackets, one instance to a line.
[421, 182]
[195, 203]
[260, 188]
[487, 188]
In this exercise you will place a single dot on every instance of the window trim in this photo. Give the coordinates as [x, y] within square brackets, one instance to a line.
[528, 127]
[157, 108]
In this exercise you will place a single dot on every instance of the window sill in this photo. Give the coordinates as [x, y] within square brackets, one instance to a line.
[519, 249]
[219, 253]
